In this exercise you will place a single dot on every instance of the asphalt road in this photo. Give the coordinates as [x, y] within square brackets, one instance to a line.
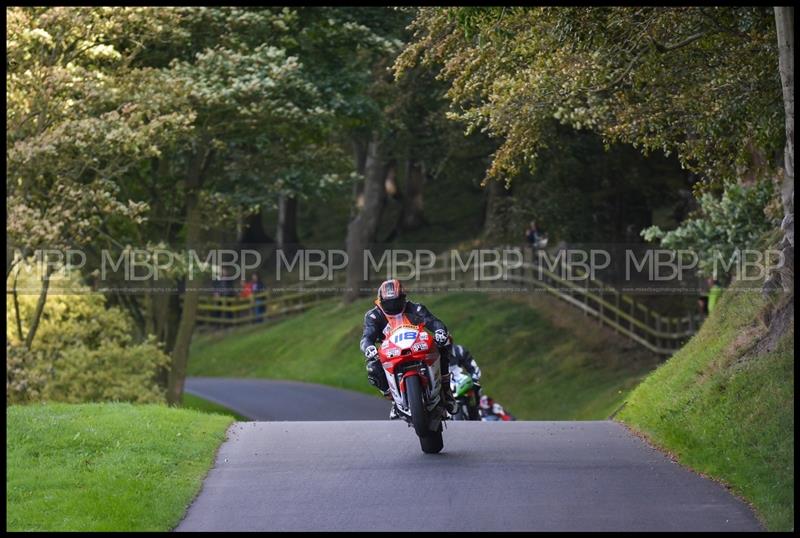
[264, 399]
[491, 476]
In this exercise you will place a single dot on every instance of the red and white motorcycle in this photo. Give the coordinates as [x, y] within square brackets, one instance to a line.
[411, 362]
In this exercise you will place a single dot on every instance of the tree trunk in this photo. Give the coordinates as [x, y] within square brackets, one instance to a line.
[16, 308]
[130, 304]
[9, 260]
[180, 353]
[783, 276]
[253, 234]
[497, 216]
[413, 216]
[37, 315]
[362, 229]
[360, 156]
[165, 319]
[286, 234]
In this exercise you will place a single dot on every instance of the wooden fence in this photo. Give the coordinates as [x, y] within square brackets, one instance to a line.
[261, 306]
[623, 313]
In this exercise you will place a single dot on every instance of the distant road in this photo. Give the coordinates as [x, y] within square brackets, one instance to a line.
[491, 476]
[263, 399]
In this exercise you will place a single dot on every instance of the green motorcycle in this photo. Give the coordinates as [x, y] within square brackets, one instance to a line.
[467, 395]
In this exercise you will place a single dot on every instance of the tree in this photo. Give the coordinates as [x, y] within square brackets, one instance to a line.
[198, 115]
[76, 126]
[662, 79]
[720, 227]
[84, 351]
[697, 82]
[784, 275]
[235, 89]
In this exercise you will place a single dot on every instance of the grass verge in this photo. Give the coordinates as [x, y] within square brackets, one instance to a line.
[105, 467]
[196, 403]
[727, 410]
[536, 365]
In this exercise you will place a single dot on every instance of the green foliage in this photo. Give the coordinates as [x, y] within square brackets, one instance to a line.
[83, 352]
[734, 221]
[105, 467]
[79, 118]
[25, 377]
[699, 82]
[725, 410]
[114, 371]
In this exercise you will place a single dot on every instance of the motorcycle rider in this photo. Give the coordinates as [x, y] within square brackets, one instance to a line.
[491, 410]
[390, 311]
[464, 359]
[463, 366]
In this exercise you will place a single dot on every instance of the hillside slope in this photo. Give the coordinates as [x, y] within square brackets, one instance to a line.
[724, 405]
[537, 361]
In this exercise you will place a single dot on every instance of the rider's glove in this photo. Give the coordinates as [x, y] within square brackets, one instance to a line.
[371, 352]
[440, 336]
[476, 374]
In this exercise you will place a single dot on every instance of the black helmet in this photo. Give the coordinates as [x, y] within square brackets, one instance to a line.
[391, 297]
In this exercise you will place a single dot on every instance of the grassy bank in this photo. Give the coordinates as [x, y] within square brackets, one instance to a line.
[726, 410]
[190, 401]
[536, 360]
[98, 467]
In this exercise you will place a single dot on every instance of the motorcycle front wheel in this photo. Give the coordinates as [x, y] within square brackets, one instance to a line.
[432, 443]
[419, 415]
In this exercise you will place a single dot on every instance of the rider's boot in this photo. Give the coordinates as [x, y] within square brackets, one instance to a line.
[449, 401]
[377, 378]
[394, 414]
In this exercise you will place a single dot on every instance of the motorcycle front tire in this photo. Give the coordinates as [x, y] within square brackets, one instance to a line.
[416, 404]
[431, 442]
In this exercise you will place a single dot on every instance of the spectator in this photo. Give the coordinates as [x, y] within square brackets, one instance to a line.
[535, 237]
[713, 294]
[261, 302]
[702, 305]
[247, 289]
[531, 234]
[251, 288]
[491, 410]
[707, 302]
[223, 289]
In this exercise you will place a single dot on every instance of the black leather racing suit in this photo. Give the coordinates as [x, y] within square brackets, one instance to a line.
[374, 323]
[463, 358]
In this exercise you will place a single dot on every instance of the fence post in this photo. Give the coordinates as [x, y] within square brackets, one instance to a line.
[675, 331]
[586, 299]
[599, 302]
[633, 316]
[658, 330]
